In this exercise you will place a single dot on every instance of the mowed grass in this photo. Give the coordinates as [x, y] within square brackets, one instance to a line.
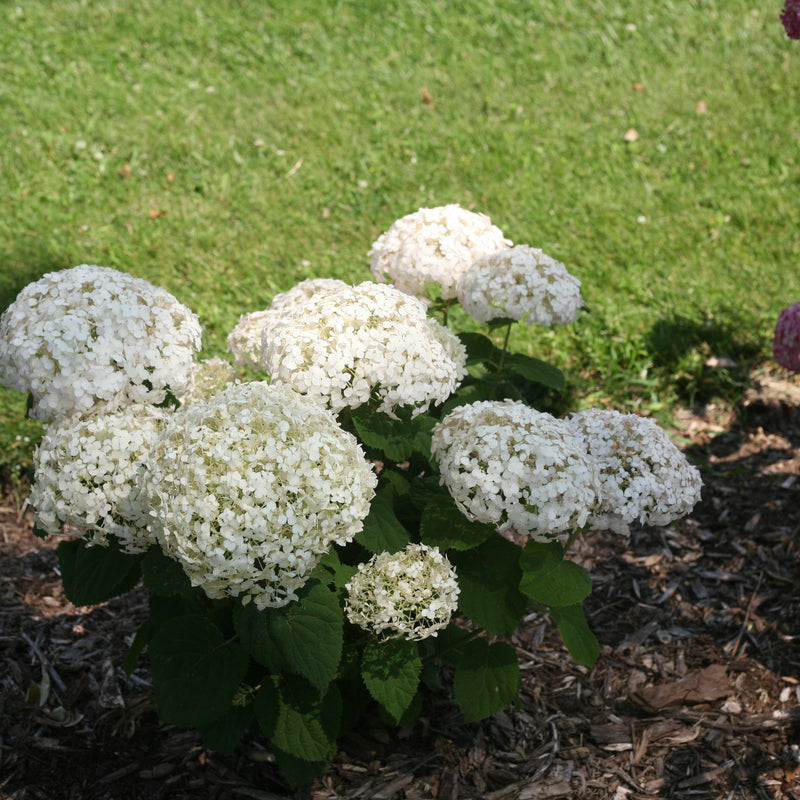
[228, 150]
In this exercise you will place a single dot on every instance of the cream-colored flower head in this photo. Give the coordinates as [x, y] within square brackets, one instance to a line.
[433, 245]
[520, 283]
[505, 463]
[410, 594]
[93, 338]
[360, 343]
[87, 475]
[244, 341]
[249, 488]
[644, 477]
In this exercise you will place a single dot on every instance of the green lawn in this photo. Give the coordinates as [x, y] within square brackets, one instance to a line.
[227, 150]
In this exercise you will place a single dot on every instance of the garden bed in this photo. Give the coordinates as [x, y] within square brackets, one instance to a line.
[696, 693]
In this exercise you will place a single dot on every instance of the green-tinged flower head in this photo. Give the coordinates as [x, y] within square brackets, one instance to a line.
[410, 594]
[507, 464]
[87, 473]
[251, 487]
[207, 378]
[643, 476]
[93, 338]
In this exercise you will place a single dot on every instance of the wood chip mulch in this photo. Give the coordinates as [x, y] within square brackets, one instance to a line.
[696, 693]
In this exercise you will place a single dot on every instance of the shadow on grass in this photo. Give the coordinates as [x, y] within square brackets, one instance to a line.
[25, 261]
[705, 360]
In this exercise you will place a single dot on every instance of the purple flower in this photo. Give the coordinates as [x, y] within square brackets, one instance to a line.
[786, 345]
[790, 17]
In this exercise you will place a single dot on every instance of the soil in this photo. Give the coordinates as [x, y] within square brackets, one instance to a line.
[696, 693]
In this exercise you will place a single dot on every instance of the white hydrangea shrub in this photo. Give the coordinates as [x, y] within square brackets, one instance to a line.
[91, 338]
[433, 245]
[520, 283]
[244, 341]
[643, 475]
[364, 342]
[410, 594]
[87, 476]
[249, 488]
[520, 469]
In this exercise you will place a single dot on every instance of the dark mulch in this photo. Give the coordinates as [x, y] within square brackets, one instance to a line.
[696, 694]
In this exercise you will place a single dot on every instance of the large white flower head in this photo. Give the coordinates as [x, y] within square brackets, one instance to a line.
[364, 342]
[644, 477]
[92, 337]
[520, 282]
[249, 488]
[244, 341]
[87, 475]
[508, 464]
[433, 245]
[410, 594]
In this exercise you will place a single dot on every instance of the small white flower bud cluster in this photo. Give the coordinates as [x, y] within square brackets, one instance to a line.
[363, 342]
[433, 245]
[87, 473]
[91, 338]
[520, 283]
[249, 488]
[644, 477]
[410, 594]
[507, 464]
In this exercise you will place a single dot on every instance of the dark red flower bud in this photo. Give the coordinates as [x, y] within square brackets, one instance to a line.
[790, 17]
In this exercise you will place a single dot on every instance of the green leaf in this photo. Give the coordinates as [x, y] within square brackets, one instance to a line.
[95, 574]
[297, 771]
[548, 579]
[480, 348]
[489, 577]
[223, 734]
[486, 679]
[391, 672]
[500, 322]
[164, 576]
[394, 437]
[140, 641]
[303, 638]
[307, 728]
[382, 531]
[580, 642]
[445, 527]
[195, 671]
[536, 370]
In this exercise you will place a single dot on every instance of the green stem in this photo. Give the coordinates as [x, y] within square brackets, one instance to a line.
[454, 645]
[502, 363]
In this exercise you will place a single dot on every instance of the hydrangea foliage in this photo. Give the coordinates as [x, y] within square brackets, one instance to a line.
[433, 245]
[410, 594]
[644, 477]
[506, 463]
[249, 488]
[92, 337]
[520, 283]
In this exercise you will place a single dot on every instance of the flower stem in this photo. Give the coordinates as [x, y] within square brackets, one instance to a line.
[501, 365]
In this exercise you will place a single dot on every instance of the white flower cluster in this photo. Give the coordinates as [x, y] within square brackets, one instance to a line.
[505, 463]
[644, 477]
[435, 245]
[207, 378]
[249, 488]
[410, 594]
[519, 283]
[244, 341]
[92, 337]
[87, 473]
[363, 342]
